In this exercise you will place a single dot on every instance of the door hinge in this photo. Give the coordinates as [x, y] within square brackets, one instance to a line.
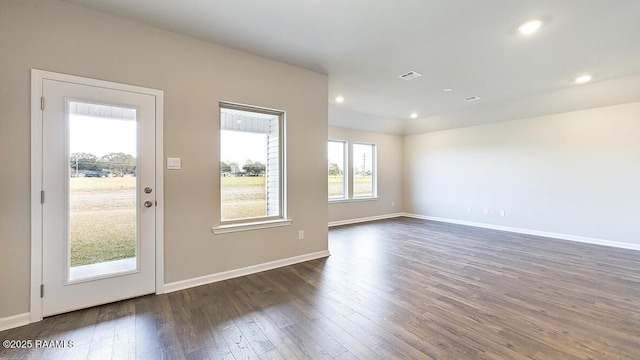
[42, 103]
[42, 197]
[41, 290]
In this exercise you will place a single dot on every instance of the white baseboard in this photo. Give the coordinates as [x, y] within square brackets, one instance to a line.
[14, 321]
[575, 238]
[208, 279]
[24, 319]
[364, 219]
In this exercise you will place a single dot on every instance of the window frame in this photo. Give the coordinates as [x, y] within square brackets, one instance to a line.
[345, 171]
[349, 181]
[252, 223]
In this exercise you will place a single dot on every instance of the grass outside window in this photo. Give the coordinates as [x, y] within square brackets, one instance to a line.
[102, 219]
[243, 197]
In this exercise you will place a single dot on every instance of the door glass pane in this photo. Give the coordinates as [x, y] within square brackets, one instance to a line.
[102, 190]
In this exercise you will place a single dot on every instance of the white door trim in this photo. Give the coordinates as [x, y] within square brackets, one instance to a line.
[37, 77]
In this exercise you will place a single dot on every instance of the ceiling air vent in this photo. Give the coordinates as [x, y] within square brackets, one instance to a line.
[410, 75]
[472, 98]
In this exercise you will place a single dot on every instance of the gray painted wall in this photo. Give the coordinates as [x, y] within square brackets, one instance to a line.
[195, 75]
[389, 163]
[573, 173]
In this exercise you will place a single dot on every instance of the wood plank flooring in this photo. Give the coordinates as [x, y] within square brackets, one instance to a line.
[393, 289]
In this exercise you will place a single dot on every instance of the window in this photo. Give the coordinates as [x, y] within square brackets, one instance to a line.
[251, 164]
[364, 170]
[337, 170]
[360, 163]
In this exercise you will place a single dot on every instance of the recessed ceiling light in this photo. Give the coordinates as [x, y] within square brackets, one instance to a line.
[530, 27]
[448, 90]
[339, 99]
[583, 79]
[414, 115]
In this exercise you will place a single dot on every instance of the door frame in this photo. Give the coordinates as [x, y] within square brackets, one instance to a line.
[37, 78]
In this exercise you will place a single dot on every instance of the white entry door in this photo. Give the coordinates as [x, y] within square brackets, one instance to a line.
[99, 194]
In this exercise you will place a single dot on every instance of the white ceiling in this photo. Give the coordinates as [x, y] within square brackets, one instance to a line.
[472, 46]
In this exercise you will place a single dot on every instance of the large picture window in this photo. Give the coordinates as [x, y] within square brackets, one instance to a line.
[337, 170]
[251, 164]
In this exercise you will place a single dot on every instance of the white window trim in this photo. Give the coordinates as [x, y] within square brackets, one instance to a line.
[228, 226]
[358, 199]
[256, 225]
[348, 182]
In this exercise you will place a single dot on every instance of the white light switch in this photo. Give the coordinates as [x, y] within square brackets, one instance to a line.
[173, 163]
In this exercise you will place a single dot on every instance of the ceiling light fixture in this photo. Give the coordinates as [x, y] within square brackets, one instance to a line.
[583, 79]
[447, 89]
[530, 27]
[414, 115]
[339, 99]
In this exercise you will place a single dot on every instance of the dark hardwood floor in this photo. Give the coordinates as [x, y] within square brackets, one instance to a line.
[393, 289]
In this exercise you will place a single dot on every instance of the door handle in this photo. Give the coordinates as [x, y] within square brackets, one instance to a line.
[148, 190]
[148, 204]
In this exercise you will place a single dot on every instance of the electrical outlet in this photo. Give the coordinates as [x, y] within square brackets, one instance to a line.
[486, 211]
[469, 209]
[393, 203]
[300, 234]
[503, 213]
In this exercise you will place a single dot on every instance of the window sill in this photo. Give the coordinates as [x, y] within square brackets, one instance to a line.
[374, 198]
[225, 229]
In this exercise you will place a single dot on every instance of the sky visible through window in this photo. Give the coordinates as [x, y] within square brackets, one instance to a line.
[336, 152]
[100, 136]
[362, 158]
[240, 146]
